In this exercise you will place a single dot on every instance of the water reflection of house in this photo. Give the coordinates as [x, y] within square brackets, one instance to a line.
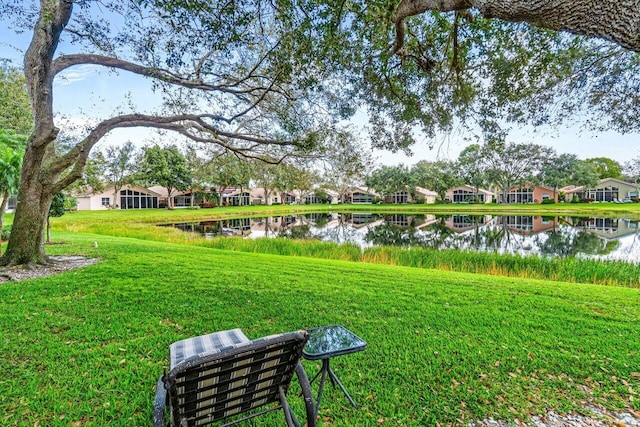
[462, 223]
[360, 220]
[609, 228]
[399, 220]
[428, 221]
[264, 226]
[527, 225]
[237, 227]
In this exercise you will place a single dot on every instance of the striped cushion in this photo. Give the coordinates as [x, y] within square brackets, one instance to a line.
[195, 347]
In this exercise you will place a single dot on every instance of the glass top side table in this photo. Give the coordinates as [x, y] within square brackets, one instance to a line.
[327, 342]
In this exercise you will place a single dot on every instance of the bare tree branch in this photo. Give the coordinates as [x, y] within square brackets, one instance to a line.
[182, 124]
[63, 62]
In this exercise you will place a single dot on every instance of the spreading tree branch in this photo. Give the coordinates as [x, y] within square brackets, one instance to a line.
[184, 124]
[63, 62]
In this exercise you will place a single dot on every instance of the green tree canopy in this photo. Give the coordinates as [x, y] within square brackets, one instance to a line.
[509, 163]
[15, 111]
[388, 180]
[436, 176]
[558, 171]
[164, 166]
[471, 168]
[606, 167]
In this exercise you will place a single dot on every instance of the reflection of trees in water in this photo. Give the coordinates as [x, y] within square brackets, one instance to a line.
[390, 234]
[295, 227]
[302, 231]
[566, 242]
[564, 237]
[393, 235]
[341, 229]
[490, 237]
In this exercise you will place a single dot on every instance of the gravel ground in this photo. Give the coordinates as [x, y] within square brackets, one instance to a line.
[58, 264]
[591, 417]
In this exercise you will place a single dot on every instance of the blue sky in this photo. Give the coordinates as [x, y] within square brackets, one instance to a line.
[87, 93]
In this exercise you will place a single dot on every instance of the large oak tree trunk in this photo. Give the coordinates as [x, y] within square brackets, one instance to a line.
[614, 20]
[26, 243]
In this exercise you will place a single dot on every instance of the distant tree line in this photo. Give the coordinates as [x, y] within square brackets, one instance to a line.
[499, 166]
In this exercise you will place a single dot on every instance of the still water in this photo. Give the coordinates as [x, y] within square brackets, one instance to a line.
[597, 238]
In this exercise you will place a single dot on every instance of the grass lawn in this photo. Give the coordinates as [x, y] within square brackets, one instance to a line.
[141, 224]
[86, 347]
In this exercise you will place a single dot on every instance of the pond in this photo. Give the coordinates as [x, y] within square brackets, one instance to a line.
[596, 238]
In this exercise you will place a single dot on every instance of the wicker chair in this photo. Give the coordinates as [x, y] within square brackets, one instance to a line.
[216, 377]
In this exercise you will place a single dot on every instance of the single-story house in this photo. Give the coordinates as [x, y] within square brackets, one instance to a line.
[12, 202]
[259, 196]
[236, 197]
[571, 191]
[607, 190]
[406, 196]
[360, 195]
[291, 197]
[468, 194]
[428, 195]
[310, 197]
[528, 193]
[129, 197]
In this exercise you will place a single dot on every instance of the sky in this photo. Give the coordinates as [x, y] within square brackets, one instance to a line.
[87, 93]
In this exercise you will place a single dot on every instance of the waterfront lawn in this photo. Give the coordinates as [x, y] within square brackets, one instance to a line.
[141, 224]
[87, 346]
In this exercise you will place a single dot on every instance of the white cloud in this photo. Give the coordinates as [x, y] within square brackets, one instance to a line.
[75, 74]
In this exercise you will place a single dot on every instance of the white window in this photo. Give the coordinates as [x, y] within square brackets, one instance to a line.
[106, 201]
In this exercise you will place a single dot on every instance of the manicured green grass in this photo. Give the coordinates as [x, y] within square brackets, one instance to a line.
[86, 347]
[141, 224]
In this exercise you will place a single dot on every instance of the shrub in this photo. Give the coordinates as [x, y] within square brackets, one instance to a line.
[548, 202]
[5, 232]
[207, 205]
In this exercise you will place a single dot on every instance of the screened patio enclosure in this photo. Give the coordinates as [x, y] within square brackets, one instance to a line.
[132, 199]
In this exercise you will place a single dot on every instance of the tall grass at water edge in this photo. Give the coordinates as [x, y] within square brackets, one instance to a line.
[615, 273]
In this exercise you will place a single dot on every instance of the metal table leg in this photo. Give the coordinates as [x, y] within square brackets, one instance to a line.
[326, 369]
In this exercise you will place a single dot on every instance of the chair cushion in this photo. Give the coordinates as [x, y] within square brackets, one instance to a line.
[190, 348]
